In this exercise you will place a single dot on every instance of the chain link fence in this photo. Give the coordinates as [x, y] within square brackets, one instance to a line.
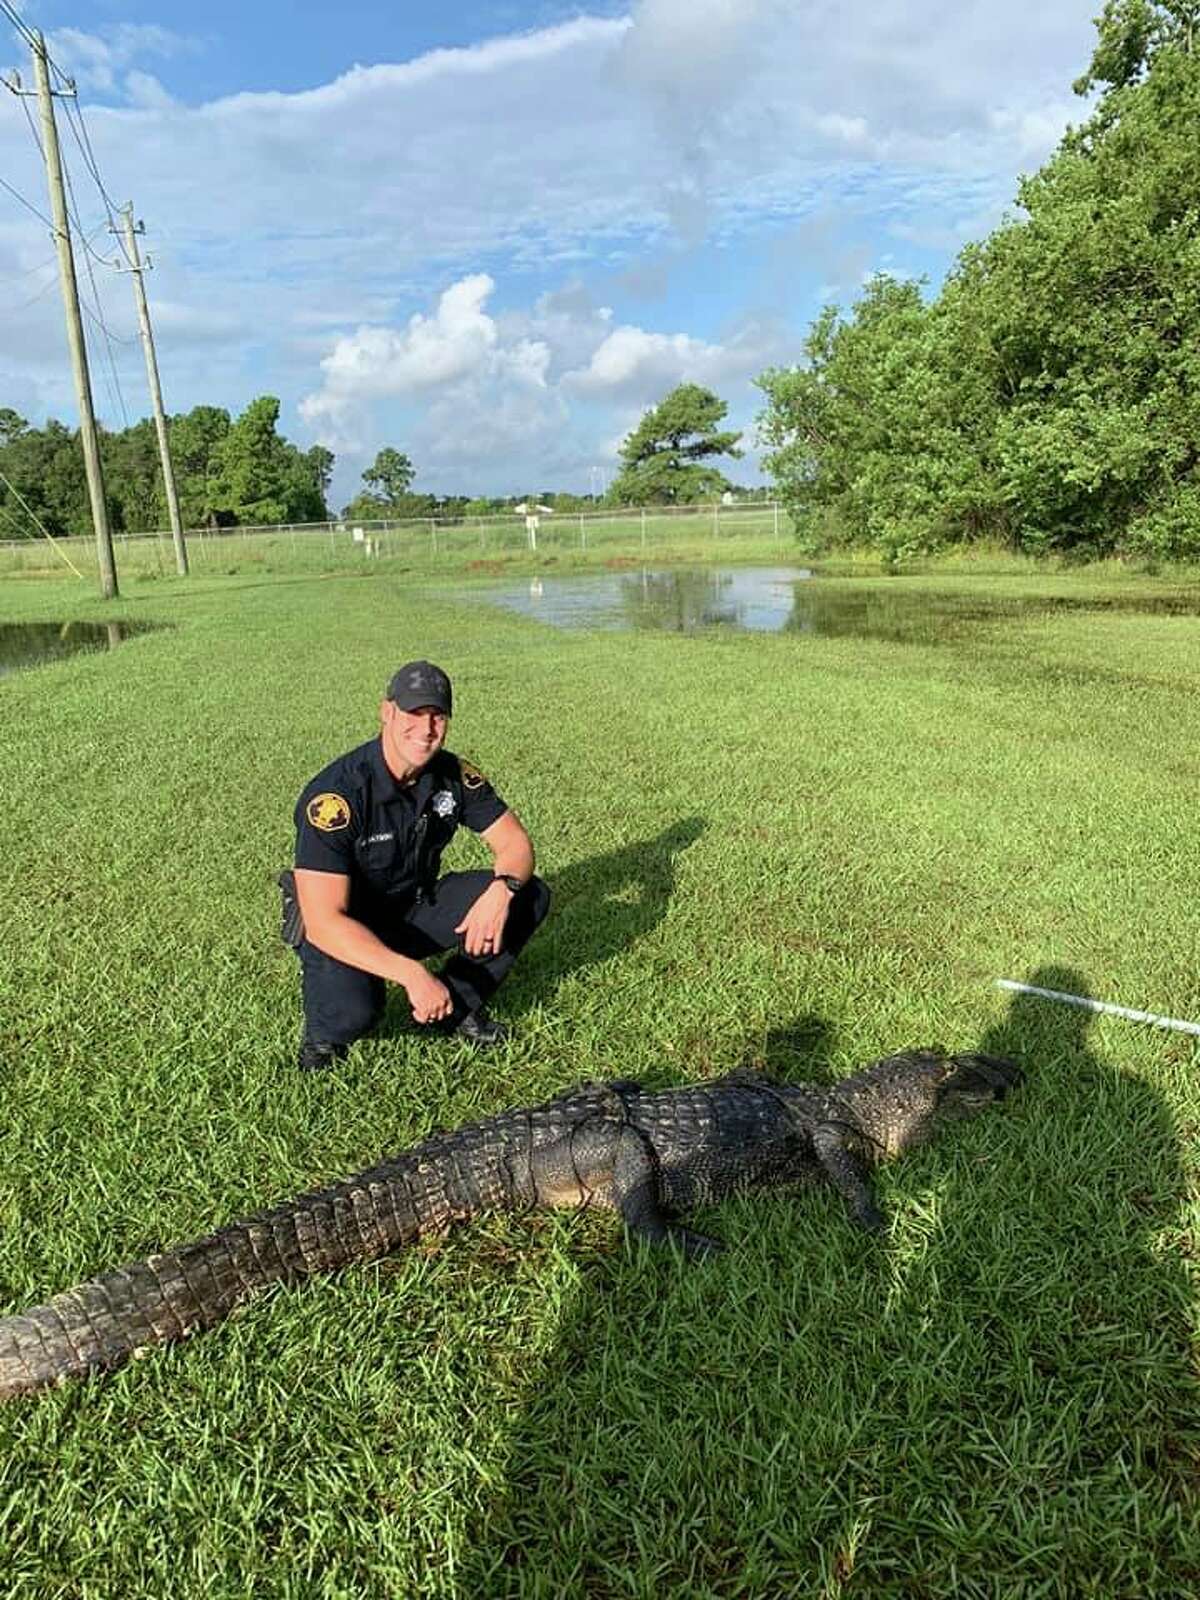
[465, 543]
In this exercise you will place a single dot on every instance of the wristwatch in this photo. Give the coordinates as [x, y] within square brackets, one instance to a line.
[513, 885]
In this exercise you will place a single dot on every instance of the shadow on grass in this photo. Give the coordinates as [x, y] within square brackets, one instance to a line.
[601, 906]
[996, 1398]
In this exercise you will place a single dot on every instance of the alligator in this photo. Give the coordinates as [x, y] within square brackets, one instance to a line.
[649, 1156]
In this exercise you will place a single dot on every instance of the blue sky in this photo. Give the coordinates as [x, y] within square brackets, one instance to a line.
[491, 234]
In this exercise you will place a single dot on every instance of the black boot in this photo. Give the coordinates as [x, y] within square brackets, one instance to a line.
[481, 1031]
[315, 1055]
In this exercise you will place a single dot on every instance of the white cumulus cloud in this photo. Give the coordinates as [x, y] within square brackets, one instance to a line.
[531, 392]
[430, 351]
[632, 363]
[98, 61]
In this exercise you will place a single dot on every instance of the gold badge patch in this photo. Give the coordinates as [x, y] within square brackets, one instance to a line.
[329, 812]
[471, 776]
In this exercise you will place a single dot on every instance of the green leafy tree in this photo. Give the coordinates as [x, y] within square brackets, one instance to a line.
[10, 425]
[668, 456]
[1050, 394]
[881, 437]
[320, 461]
[248, 468]
[224, 473]
[46, 471]
[255, 476]
[390, 476]
[195, 439]
[1130, 35]
[133, 478]
[387, 496]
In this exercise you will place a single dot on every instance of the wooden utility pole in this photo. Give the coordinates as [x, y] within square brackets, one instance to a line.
[70, 294]
[160, 422]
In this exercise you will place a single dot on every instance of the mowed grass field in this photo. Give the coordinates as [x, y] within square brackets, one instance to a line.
[781, 851]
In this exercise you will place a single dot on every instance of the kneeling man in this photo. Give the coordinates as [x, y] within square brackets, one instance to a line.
[367, 904]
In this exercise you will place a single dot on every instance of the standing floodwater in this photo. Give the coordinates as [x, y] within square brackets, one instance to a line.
[32, 644]
[786, 600]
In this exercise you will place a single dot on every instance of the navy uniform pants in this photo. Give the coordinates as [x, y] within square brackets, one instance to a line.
[341, 1003]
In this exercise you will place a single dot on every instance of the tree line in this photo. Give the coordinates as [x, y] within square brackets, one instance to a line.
[227, 471]
[239, 471]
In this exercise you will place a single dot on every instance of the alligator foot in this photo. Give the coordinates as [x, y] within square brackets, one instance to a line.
[847, 1174]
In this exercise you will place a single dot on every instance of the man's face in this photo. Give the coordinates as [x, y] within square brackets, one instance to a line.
[416, 736]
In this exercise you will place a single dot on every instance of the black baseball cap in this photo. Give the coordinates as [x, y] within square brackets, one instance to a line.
[420, 683]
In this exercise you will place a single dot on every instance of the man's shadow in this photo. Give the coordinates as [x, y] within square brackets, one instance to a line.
[1012, 1356]
[600, 906]
[1055, 1278]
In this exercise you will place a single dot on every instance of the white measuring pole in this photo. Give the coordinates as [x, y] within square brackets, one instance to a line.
[1100, 1005]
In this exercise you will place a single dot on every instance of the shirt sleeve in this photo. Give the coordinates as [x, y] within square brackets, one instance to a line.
[327, 825]
[481, 804]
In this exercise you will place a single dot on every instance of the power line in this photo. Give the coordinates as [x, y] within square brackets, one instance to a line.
[18, 22]
[17, 195]
[80, 134]
[40, 295]
[37, 138]
[105, 329]
[88, 434]
[72, 209]
[12, 489]
[31, 39]
[79, 131]
[99, 317]
[89, 156]
[27, 272]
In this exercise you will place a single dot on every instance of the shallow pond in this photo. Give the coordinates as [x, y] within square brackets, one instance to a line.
[31, 644]
[784, 599]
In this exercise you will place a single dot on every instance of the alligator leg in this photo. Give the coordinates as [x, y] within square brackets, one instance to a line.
[609, 1163]
[635, 1194]
[847, 1174]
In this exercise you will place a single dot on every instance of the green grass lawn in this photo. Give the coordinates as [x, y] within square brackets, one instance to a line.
[781, 851]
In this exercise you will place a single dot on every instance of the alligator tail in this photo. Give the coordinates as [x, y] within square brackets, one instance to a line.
[103, 1322]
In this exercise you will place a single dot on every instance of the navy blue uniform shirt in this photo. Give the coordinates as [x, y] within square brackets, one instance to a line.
[387, 837]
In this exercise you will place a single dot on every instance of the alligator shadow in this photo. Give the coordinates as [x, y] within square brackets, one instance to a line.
[1012, 1359]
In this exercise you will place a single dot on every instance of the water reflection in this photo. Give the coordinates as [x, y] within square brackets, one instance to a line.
[677, 601]
[32, 644]
[787, 599]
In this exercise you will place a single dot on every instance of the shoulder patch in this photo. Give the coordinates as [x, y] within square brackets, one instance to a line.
[329, 812]
[471, 776]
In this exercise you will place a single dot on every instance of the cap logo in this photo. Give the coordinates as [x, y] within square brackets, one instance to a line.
[329, 812]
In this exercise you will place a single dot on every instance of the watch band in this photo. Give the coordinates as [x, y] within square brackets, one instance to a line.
[512, 884]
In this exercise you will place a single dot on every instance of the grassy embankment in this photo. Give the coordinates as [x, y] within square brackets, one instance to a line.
[768, 850]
